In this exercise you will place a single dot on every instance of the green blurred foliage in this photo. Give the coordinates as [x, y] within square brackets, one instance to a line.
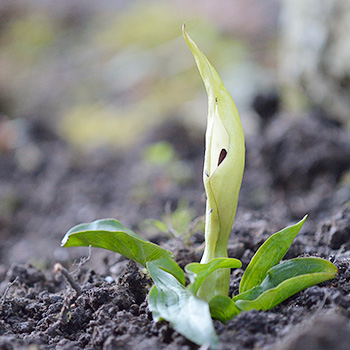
[180, 222]
[25, 38]
[148, 71]
[108, 78]
[159, 172]
[160, 153]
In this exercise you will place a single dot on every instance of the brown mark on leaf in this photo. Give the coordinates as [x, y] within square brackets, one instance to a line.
[222, 156]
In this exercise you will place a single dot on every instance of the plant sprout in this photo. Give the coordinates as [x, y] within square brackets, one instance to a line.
[266, 282]
[223, 170]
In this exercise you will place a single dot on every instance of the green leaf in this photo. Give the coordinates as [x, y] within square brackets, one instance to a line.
[188, 314]
[112, 235]
[223, 308]
[284, 280]
[153, 300]
[269, 255]
[197, 272]
[169, 265]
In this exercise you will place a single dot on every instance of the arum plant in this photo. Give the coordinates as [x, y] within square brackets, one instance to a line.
[266, 282]
[223, 170]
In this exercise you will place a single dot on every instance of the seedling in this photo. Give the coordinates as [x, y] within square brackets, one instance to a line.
[265, 283]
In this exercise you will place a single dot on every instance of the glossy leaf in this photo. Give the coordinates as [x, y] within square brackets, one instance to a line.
[223, 308]
[171, 301]
[112, 235]
[284, 280]
[269, 255]
[197, 272]
[169, 265]
[223, 169]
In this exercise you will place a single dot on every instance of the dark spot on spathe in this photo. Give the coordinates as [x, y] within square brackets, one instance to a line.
[222, 156]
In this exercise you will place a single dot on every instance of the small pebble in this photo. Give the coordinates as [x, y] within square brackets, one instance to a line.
[109, 279]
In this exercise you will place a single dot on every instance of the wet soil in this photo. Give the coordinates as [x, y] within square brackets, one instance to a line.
[293, 168]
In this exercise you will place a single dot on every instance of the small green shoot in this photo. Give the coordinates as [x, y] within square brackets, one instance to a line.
[223, 170]
[175, 223]
[266, 282]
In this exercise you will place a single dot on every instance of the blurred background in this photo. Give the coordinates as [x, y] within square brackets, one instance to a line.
[103, 73]
[102, 110]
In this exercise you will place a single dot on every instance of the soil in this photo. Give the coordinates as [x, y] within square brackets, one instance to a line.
[292, 168]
